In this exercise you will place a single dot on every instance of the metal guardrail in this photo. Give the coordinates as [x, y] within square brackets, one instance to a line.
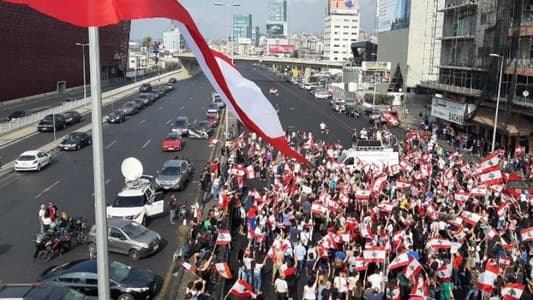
[72, 105]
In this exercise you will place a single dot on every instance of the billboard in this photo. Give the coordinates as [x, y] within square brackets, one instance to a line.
[281, 49]
[448, 110]
[378, 72]
[343, 6]
[275, 29]
[393, 14]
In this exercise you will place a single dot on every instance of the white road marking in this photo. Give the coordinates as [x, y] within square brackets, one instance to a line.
[47, 189]
[168, 122]
[181, 108]
[291, 108]
[147, 142]
[142, 121]
[107, 181]
[111, 144]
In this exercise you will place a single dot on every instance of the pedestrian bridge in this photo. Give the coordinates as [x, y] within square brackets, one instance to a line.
[188, 58]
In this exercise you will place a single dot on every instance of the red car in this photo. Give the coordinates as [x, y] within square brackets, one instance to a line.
[173, 142]
[212, 118]
[515, 184]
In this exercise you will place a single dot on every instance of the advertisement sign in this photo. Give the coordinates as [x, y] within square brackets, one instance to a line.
[378, 72]
[281, 49]
[448, 110]
[275, 29]
[244, 41]
[393, 14]
[343, 6]
[376, 66]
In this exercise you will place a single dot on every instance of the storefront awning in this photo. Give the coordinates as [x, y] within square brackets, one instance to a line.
[514, 125]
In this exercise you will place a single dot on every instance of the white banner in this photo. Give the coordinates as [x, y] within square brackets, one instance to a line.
[448, 110]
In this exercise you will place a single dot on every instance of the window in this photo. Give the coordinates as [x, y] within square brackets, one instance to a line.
[337, 26]
[70, 279]
[335, 45]
[115, 233]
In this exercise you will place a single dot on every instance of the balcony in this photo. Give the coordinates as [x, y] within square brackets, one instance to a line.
[459, 4]
[451, 88]
[524, 66]
[464, 67]
[526, 26]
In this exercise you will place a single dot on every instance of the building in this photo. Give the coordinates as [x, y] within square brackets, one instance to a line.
[173, 40]
[40, 55]
[242, 26]
[276, 24]
[468, 81]
[341, 29]
[408, 38]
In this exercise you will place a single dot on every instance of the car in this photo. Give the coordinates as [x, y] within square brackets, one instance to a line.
[158, 92]
[127, 237]
[52, 122]
[322, 94]
[218, 100]
[33, 160]
[138, 200]
[117, 116]
[213, 108]
[141, 103]
[169, 87]
[212, 119]
[172, 142]
[181, 126]
[351, 110]
[205, 125]
[148, 98]
[125, 282]
[39, 291]
[75, 141]
[145, 87]
[72, 117]
[174, 174]
[370, 111]
[16, 115]
[130, 108]
[172, 80]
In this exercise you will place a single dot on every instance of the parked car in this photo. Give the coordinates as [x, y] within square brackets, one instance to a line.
[39, 291]
[174, 175]
[148, 98]
[218, 101]
[127, 237]
[181, 126]
[145, 87]
[126, 282]
[33, 160]
[72, 117]
[213, 108]
[372, 111]
[212, 118]
[205, 125]
[172, 80]
[52, 122]
[169, 87]
[16, 115]
[75, 141]
[117, 116]
[351, 110]
[130, 108]
[141, 103]
[322, 94]
[172, 142]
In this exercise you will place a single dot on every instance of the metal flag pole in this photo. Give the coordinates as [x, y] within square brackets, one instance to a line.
[98, 166]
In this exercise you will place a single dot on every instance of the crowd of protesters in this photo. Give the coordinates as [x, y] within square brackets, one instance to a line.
[434, 226]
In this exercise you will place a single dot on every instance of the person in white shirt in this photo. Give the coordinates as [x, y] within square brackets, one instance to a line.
[310, 291]
[299, 255]
[376, 280]
[42, 211]
[341, 284]
[281, 288]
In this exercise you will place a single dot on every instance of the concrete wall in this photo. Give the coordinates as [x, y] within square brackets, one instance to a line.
[393, 47]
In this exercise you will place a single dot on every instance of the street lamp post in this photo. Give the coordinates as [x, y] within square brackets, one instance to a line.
[83, 45]
[375, 86]
[497, 100]
[231, 56]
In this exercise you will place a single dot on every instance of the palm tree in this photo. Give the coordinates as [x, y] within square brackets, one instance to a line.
[147, 42]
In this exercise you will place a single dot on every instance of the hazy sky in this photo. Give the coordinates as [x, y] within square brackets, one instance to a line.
[304, 16]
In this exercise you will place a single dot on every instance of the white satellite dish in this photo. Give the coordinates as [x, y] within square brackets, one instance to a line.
[132, 169]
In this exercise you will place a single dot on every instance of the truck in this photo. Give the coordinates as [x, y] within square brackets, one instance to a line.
[368, 152]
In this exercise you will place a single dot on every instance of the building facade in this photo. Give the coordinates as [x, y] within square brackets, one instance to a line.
[277, 23]
[173, 40]
[341, 29]
[42, 51]
[242, 27]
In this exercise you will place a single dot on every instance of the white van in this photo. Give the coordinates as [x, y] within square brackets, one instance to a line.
[369, 152]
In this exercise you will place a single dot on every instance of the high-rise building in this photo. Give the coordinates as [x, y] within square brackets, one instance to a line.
[276, 23]
[242, 26]
[341, 29]
[172, 40]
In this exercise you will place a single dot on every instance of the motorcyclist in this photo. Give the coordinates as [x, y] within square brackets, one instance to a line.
[323, 126]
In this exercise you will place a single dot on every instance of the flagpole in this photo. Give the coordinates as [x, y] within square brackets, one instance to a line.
[98, 166]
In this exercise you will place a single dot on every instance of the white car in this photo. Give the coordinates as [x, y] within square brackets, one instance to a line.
[33, 160]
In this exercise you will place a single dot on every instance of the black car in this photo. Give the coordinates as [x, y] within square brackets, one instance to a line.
[172, 80]
[39, 291]
[52, 122]
[126, 282]
[130, 108]
[145, 87]
[351, 111]
[371, 111]
[141, 103]
[117, 116]
[16, 115]
[72, 117]
[76, 141]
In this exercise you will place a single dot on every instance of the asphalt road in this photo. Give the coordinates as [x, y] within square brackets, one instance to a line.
[69, 181]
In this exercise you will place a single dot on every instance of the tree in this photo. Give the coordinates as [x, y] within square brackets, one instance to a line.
[147, 42]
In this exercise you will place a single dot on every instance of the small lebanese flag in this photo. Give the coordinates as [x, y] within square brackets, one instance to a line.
[485, 281]
[457, 222]
[491, 234]
[444, 273]
[362, 194]
[513, 291]
[365, 231]
[318, 208]
[242, 289]
[393, 294]
[461, 196]
[489, 163]
[223, 270]
[527, 234]
[187, 266]
[490, 178]
[479, 191]
[378, 183]
[374, 254]
[470, 218]
[386, 207]
[419, 290]
[436, 243]
[399, 261]
[250, 172]
[223, 238]
[505, 261]
[403, 183]
[394, 169]
[412, 269]
[289, 271]
[502, 209]
[360, 264]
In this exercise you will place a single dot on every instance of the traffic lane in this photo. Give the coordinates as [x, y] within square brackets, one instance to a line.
[39, 139]
[78, 186]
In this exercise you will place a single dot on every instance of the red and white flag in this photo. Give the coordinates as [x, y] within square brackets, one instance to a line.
[502, 209]
[237, 170]
[187, 266]
[360, 264]
[470, 218]
[485, 281]
[223, 270]
[489, 163]
[362, 194]
[401, 260]
[376, 254]
[378, 183]
[505, 261]
[213, 142]
[250, 172]
[318, 208]
[527, 234]
[403, 183]
[461, 196]
[492, 177]
[437, 243]
[242, 96]
[412, 269]
[419, 291]
[223, 238]
[444, 273]
[289, 271]
[513, 291]
[479, 191]
[242, 289]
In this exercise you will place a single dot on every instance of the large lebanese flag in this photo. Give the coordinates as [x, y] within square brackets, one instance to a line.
[374, 254]
[489, 163]
[399, 261]
[527, 234]
[513, 291]
[485, 281]
[223, 238]
[419, 291]
[492, 177]
[223, 270]
[242, 289]
[242, 96]
[412, 269]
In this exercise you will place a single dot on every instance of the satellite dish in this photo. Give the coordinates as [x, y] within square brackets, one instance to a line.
[132, 169]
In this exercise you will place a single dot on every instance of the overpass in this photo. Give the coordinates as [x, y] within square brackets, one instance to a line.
[189, 61]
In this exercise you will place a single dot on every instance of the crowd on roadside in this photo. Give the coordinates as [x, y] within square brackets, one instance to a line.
[434, 226]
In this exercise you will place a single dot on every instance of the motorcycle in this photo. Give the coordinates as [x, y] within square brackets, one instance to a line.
[324, 131]
[80, 230]
[274, 92]
[49, 244]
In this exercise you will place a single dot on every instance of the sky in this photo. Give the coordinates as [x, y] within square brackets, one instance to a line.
[303, 16]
